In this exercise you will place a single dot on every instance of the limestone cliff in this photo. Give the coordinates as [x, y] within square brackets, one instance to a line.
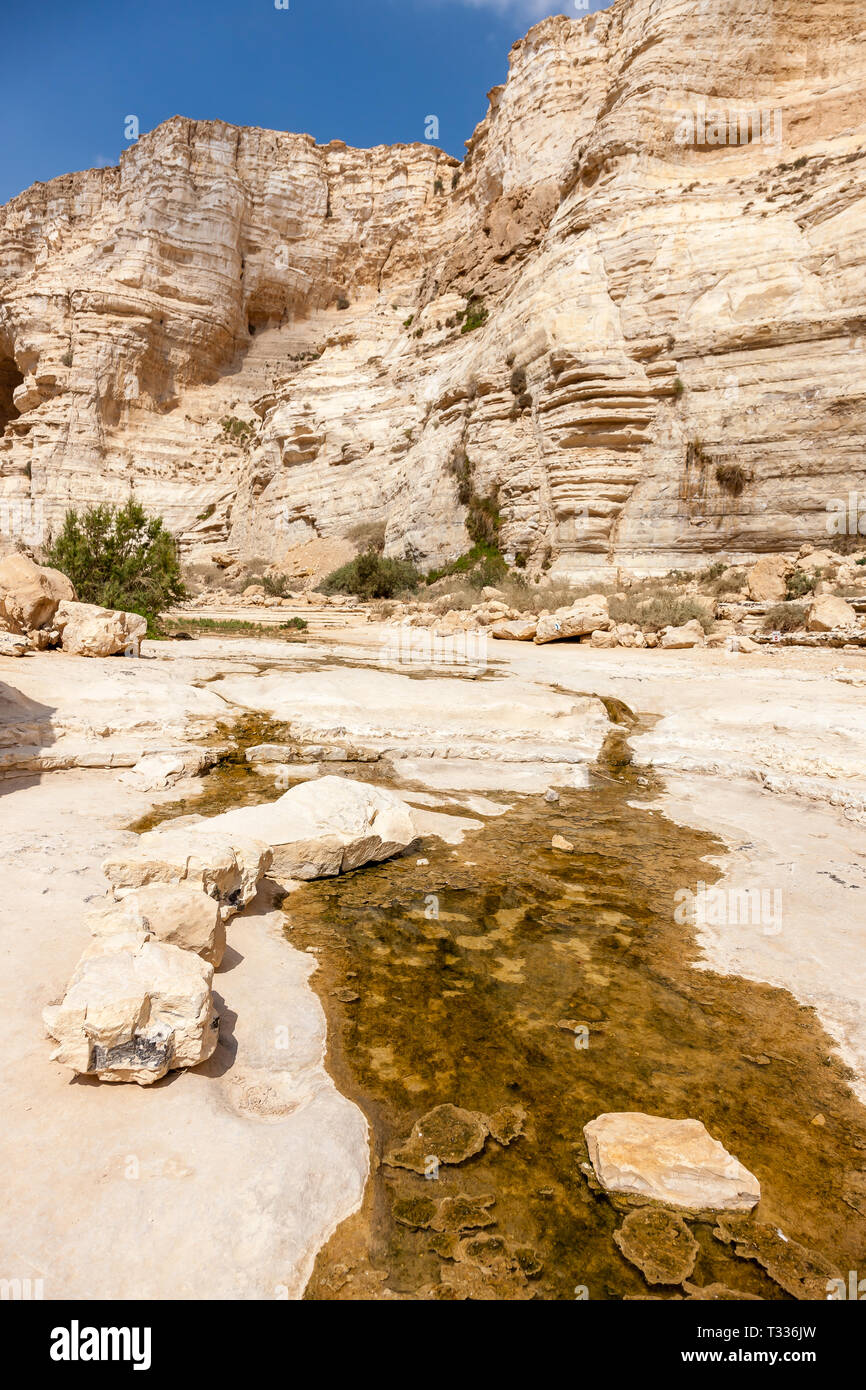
[659, 230]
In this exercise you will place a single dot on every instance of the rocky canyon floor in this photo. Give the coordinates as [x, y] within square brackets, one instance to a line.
[533, 986]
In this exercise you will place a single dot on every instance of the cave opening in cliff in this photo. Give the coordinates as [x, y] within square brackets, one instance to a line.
[10, 377]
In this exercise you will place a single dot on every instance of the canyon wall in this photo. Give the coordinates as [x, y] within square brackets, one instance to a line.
[636, 312]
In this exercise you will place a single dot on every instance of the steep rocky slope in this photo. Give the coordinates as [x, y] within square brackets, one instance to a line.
[672, 359]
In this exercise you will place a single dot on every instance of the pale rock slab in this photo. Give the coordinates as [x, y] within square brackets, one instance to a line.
[226, 866]
[767, 579]
[30, 593]
[691, 634]
[134, 1010]
[174, 913]
[323, 828]
[588, 615]
[674, 1162]
[89, 630]
[828, 612]
[521, 630]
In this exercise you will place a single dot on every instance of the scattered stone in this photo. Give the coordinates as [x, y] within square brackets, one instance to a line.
[447, 1133]
[29, 593]
[659, 1243]
[174, 913]
[691, 634]
[767, 580]
[560, 843]
[506, 1124]
[515, 631]
[551, 797]
[675, 1162]
[322, 828]
[88, 630]
[586, 616]
[13, 644]
[828, 612]
[134, 1010]
[227, 867]
[800, 1272]
[346, 996]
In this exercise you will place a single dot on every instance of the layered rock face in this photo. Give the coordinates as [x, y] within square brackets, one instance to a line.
[656, 239]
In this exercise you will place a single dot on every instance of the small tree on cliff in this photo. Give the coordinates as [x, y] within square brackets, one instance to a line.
[120, 558]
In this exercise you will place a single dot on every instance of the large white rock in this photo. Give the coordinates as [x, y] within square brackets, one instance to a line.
[828, 612]
[767, 579]
[174, 913]
[691, 634]
[515, 630]
[88, 630]
[29, 593]
[323, 828]
[226, 866]
[134, 1010]
[588, 615]
[676, 1162]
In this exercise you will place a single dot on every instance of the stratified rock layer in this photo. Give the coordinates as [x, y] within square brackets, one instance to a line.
[661, 216]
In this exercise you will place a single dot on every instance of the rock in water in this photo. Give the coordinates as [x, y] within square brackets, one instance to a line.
[88, 630]
[675, 1162]
[659, 1243]
[174, 913]
[134, 1010]
[323, 828]
[227, 867]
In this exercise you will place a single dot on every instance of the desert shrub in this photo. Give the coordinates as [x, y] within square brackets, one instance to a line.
[730, 583]
[785, 617]
[663, 609]
[712, 572]
[799, 584]
[342, 302]
[207, 513]
[438, 186]
[66, 359]
[518, 381]
[475, 315]
[120, 558]
[371, 576]
[276, 585]
[238, 431]
[368, 535]
[679, 388]
[299, 624]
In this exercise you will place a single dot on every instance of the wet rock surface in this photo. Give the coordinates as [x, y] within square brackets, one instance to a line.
[660, 1244]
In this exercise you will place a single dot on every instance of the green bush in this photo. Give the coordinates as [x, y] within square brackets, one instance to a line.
[660, 610]
[300, 624]
[120, 558]
[475, 315]
[371, 576]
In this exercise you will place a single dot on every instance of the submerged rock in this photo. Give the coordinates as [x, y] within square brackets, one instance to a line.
[659, 1243]
[449, 1134]
[134, 1010]
[323, 828]
[674, 1162]
[800, 1272]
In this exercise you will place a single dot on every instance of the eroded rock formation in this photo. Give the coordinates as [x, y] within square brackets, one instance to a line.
[656, 239]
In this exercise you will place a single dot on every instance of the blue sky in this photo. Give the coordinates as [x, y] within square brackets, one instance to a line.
[365, 71]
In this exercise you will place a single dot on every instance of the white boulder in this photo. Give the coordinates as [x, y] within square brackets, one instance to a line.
[829, 612]
[675, 1162]
[323, 828]
[586, 616]
[227, 867]
[29, 593]
[134, 1010]
[88, 630]
[691, 634]
[174, 913]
